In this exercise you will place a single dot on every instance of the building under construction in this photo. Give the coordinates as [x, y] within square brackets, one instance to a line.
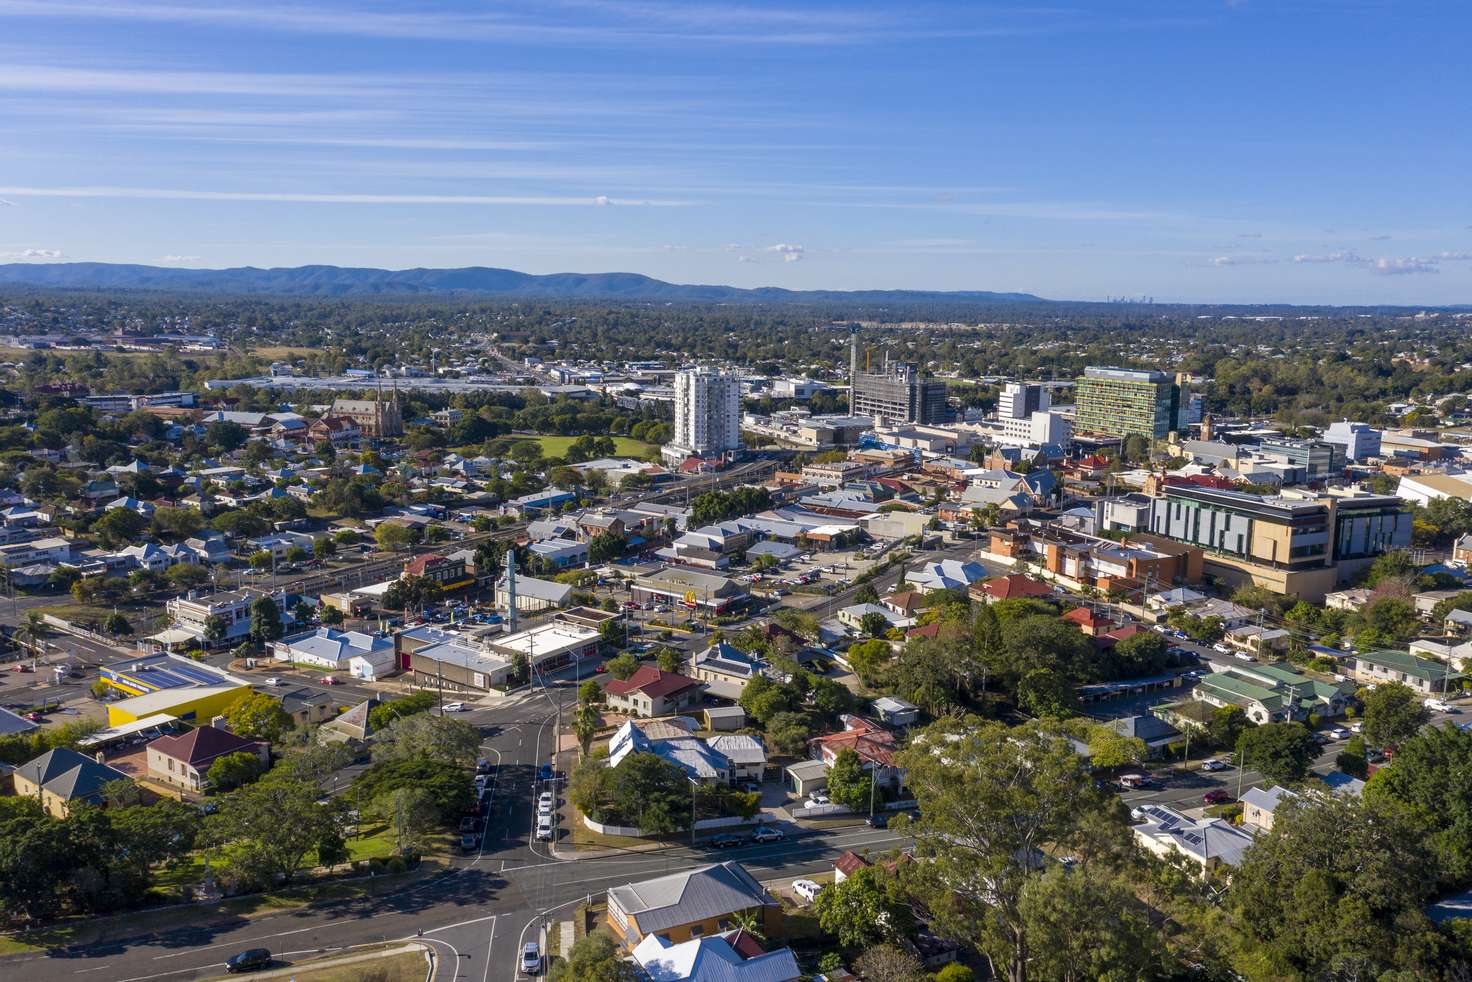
[895, 394]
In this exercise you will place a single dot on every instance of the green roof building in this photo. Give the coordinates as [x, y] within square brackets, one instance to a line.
[1122, 401]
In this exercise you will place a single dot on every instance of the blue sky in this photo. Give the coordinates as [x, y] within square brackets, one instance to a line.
[1256, 150]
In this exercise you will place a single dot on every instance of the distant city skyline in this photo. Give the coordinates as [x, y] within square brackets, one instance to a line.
[1303, 151]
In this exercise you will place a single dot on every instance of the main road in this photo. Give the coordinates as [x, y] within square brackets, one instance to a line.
[476, 913]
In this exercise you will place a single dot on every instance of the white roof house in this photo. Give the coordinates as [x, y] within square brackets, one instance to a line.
[330, 648]
[712, 959]
[1208, 842]
[945, 575]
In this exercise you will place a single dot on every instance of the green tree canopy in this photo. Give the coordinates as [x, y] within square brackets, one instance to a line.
[1393, 712]
[1337, 889]
[1281, 752]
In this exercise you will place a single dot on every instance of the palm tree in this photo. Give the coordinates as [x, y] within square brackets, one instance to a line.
[32, 634]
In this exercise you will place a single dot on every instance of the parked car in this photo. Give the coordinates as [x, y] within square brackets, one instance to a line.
[726, 840]
[1216, 796]
[544, 828]
[878, 821]
[329, 680]
[454, 707]
[275, 680]
[1339, 733]
[816, 799]
[469, 841]
[531, 958]
[467, 824]
[1213, 765]
[482, 766]
[248, 961]
[751, 787]
[807, 889]
[545, 772]
[1437, 706]
[1356, 727]
[768, 833]
[546, 800]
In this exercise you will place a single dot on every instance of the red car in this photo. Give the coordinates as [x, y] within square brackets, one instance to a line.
[1216, 796]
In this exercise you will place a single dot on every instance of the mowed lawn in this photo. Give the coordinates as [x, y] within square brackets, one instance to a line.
[556, 446]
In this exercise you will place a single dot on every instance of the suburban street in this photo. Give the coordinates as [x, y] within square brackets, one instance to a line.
[476, 913]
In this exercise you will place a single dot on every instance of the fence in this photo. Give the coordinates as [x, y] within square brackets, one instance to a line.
[703, 825]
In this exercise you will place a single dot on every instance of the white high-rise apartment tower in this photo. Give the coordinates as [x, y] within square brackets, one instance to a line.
[707, 415]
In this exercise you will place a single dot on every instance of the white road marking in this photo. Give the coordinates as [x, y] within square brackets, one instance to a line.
[244, 944]
[447, 927]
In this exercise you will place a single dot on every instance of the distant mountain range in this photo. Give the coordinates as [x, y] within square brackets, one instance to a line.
[344, 282]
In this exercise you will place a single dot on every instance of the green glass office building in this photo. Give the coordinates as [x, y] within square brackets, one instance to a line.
[1122, 401]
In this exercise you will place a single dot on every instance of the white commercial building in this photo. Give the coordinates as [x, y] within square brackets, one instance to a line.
[707, 415]
[1359, 440]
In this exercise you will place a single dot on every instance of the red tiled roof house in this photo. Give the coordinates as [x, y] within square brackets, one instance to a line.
[183, 761]
[650, 692]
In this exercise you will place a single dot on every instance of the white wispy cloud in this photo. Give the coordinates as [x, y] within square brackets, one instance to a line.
[1332, 257]
[1403, 265]
[24, 254]
[569, 21]
[1389, 265]
[183, 194]
[786, 248]
[1241, 261]
[746, 259]
[172, 260]
[792, 257]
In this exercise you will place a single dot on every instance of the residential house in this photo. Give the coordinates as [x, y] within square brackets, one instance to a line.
[560, 553]
[651, 692]
[1208, 842]
[691, 903]
[1259, 641]
[731, 957]
[193, 614]
[143, 508]
[1156, 734]
[895, 712]
[945, 575]
[1424, 676]
[354, 726]
[307, 707]
[1089, 621]
[340, 431]
[875, 746]
[62, 778]
[747, 754]
[1012, 587]
[1260, 804]
[184, 761]
[906, 603]
[725, 669]
[852, 616]
[700, 762]
[1273, 693]
[443, 571]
